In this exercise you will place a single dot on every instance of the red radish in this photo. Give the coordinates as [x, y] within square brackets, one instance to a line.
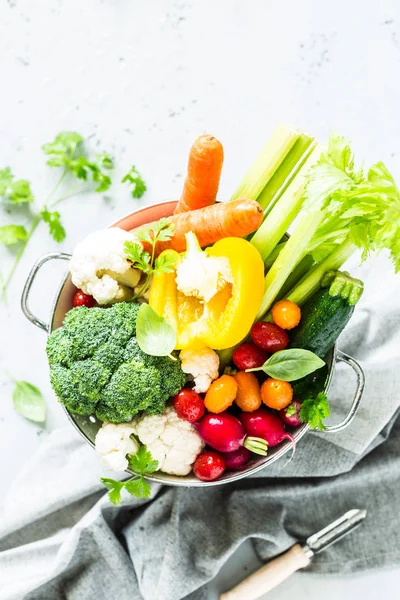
[189, 405]
[82, 299]
[290, 414]
[263, 424]
[249, 356]
[225, 433]
[209, 466]
[269, 337]
[237, 460]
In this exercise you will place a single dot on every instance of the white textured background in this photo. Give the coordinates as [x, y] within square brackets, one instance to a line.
[142, 80]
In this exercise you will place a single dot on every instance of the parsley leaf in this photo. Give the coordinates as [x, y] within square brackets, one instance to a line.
[16, 191]
[6, 178]
[138, 487]
[56, 228]
[165, 263]
[314, 410]
[62, 148]
[135, 179]
[66, 151]
[142, 463]
[140, 259]
[114, 487]
[11, 234]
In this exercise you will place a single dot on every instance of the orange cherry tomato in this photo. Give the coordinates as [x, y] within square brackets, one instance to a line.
[221, 394]
[276, 394]
[248, 396]
[286, 314]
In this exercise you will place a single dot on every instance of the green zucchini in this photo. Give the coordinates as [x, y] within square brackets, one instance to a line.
[327, 313]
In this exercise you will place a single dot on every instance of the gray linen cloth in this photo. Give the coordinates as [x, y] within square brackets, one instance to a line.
[60, 537]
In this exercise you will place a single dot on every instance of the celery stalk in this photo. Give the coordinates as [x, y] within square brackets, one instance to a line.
[273, 256]
[286, 172]
[296, 276]
[310, 283]
[285, 210]
[271, 156]
[289, 257]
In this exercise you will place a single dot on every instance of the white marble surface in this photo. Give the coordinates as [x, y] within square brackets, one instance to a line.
[142, 80]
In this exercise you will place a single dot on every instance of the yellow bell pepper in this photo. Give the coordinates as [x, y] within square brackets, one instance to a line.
[227, 318]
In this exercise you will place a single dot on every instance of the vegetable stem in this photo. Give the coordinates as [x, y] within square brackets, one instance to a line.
[21, 250]
[270, 158]
[311, 281]
[74, 192]
[285, 211]
[289, 257]
[286, 172]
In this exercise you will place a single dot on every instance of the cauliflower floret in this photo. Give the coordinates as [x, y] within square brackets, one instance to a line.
[203, 364]
[173, 442]
[99, 267]
[201, 275]
[114, 442]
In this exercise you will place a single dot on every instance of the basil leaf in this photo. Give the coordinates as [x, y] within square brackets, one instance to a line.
[29, 402]
[289, 365]
[154, 334]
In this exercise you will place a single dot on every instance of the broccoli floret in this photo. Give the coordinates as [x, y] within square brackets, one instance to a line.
[67, 392]
[97, 367]
[173, 378]
[110, 355]
[133, 387]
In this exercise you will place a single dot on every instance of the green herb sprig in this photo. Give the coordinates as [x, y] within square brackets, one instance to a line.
[136, 181]
[144, 260]
[141, 463]
[314, 410]
[66, 151]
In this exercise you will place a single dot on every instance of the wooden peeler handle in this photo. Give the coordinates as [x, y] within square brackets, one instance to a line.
[269, 576]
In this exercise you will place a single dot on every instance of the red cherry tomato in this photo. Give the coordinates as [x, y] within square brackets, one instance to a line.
[249, 356]
[189, 405]
[82, 299]
[269, 337]
[209, 466]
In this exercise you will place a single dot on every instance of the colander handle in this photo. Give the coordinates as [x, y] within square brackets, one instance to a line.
[348, 360]
[28, 284]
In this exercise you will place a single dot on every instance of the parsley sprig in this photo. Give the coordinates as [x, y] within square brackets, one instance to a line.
[314, 410]
[141, 463]
[67, 152]
[145, 260]
[136, 181]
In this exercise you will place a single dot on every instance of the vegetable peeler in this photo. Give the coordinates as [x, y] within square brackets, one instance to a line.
[297, 557]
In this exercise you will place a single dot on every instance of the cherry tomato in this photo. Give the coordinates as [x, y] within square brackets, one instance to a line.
[221, 394]
[286, 314]
[248, 396]
[209, 466]
[269, 337]
[82, 299]
[249, 356]
[188, 405]
[276, 394]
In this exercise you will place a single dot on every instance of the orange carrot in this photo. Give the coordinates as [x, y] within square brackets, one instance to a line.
[204, 170]
[212, 223]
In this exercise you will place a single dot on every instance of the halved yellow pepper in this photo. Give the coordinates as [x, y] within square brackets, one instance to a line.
[227, 318]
